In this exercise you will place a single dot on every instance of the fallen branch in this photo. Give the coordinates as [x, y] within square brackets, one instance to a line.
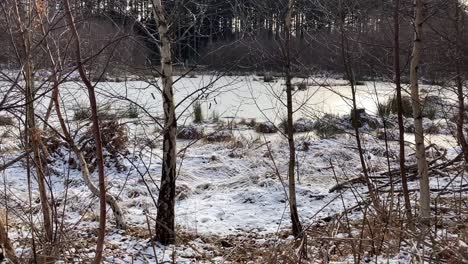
[13, 161]
[346, 184]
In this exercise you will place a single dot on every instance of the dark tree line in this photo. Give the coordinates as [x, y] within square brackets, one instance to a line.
[213, 32]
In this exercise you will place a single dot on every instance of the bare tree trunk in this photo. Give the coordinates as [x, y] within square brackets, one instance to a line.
[296, 223]
[5, 242]
[34, 134]
[459, 14]
[165, 222]
[425, 210]
[347, 63]
[111, 201]
[97, 135]
[401, 128]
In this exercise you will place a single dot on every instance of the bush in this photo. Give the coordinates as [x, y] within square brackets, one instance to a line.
[268, 78]
[303, 125]
[252, 123]
[302, 86]
[6, 121]
[197, 112]
[189, 132]
[367, 121]
[220, 136]
[84, 113]
[299, 126]
[391, 107]
[283, 125]
[266, 127]
[132, 112]
[328, 126]
[431, 107]
[114, 142]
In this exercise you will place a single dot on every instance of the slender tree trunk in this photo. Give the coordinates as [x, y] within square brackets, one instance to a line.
[296, 223]
[165, 222]
[33, 132]
[97, 134]
[111, 200]
[5, 242]
[401, 128]
[347, 63]
[424, 201]
[459, 80]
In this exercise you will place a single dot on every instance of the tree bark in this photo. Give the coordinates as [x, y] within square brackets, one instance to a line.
[295, 221]
[34, 134]
[97, 134]
[165, 221]
[347, 63]
[424, 201]
[459, 14]
[111, 201]
[401, 127]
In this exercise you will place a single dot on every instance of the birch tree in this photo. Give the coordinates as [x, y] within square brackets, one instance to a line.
[424, 201]
[165, 221]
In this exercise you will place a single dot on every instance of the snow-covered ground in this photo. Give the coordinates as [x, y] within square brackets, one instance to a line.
[228, 188]
[233, 188]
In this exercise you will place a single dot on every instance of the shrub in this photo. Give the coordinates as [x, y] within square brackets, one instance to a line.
[303, 125]
[433, 106]
[268, 78]
[189, 132]
[252, 123]
[430, 112]
[82, 113]
[197, 112]
[6, 121]
[114, 141]
[219, 136]
[283, 125]
[328, 126]
[299, 126]
[266, 127]
[391, 107]
[302, 86]
[243, 122]
[132, 112]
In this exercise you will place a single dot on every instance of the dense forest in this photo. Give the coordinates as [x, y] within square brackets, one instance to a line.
[233, 131]
[236, 35]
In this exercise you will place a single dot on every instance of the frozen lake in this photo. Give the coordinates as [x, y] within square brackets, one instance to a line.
[240, 96]
[229, 97]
